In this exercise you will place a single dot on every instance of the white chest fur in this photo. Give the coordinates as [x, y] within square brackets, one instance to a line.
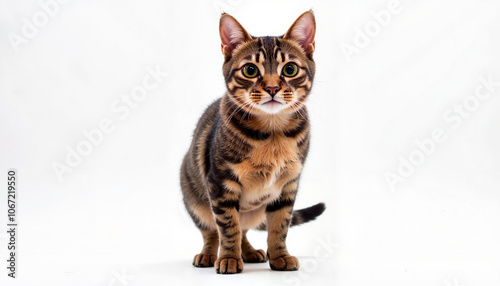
[256, 195]
[255, 201]
[267, 168]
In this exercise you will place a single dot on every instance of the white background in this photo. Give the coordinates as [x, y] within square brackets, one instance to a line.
[118, 218]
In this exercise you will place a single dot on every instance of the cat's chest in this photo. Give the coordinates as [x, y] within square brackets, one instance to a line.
[265, 170]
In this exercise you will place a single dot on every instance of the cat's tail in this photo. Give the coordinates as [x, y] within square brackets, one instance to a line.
[302, 216]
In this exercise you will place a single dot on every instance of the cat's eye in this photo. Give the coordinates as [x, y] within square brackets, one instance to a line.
[250, 70]
[290, 70]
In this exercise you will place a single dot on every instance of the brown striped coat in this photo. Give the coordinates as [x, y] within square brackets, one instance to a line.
[243, 167]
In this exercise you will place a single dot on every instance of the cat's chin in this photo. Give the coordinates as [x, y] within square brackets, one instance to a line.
[272, 107]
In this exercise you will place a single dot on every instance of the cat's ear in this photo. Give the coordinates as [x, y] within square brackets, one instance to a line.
[302, 31]
[232, 34]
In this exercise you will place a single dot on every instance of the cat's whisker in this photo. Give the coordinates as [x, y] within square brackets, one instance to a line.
[299, 111]
[246, 103]
[232, 114]
[251, 105]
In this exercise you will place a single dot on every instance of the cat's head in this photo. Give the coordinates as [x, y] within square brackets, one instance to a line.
[269, 75]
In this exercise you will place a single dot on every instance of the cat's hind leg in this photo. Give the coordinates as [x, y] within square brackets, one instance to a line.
[250, 254]
[208, 254]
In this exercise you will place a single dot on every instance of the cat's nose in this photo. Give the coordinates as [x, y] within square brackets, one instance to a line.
[272, 90]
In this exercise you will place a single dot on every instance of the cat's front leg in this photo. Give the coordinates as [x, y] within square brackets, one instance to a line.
[279, 216]
[224, 198]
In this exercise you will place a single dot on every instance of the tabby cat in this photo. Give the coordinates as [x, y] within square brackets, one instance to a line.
[243, 167]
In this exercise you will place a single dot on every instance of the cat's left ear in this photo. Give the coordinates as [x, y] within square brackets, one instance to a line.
[302, 31]
[232, 34]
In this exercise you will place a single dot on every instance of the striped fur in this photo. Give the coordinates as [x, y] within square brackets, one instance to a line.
[243, 167]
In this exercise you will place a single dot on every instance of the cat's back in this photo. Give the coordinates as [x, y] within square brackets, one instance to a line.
[208, 119]
[196, 160]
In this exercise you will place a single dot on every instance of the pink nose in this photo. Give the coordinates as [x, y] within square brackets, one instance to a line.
[272, 89]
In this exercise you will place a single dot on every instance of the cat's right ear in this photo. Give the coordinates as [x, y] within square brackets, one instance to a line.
[232, 34]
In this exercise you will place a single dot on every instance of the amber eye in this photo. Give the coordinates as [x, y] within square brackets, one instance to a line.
[290, 69]
[250, 70]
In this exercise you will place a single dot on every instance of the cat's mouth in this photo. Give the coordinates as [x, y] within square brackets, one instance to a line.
[272, 106]
[273, 102]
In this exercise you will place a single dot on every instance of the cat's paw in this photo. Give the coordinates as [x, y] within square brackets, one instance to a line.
[204, 260]
[284, 263]
[256, 256]
[228, 265]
